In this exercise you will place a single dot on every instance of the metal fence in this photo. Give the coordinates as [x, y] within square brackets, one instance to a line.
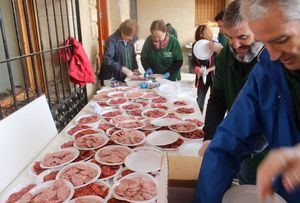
[40, 30]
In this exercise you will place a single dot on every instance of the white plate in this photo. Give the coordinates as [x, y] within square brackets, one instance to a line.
[162, 137]
[187, 103]
[133, 175]
[40, 177]
[37, 189]
[93, 198]
[16, 189]
[165, 113]
[130, 145]
[201, 49]
[147, 149]
[88, 164]
[168, 89]
[247, 194]
[184, 131]
[164, 121]
[97, 158]
[104, 137]
[136, 161]
[190, 149]
[74, 151]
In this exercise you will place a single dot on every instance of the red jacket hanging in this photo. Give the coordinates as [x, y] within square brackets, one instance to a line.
[80, 68]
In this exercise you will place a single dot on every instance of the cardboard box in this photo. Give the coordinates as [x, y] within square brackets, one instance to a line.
[183, 171]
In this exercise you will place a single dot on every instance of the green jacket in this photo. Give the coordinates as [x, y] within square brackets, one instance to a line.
[168, 59]
[229, 80]
[222, 39]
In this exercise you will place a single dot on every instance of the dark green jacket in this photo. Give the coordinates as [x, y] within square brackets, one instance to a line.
[168, 59]
[227, 84]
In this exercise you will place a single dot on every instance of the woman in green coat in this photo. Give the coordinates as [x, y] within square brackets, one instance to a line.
[161, 53]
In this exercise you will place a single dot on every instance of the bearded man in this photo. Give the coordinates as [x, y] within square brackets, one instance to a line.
[234, 63]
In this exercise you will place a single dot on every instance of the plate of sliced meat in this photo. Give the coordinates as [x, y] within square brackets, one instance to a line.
[137, 112]
[35, 168]
[14, 194]
[116, 101]
[131, 106]
[183, 127]
[128, 137]
[162, 137]
[154, 113]
[80, 174]
[141, 101]
[89, 142]
[136, 187]
[75, 128]
[159, 100]
[59, 158]
[87, 132]
[196, 121]
[87, 119]
[150, 95]
[98, 188]
[47, 175]
[173, 146]
[54, 190]
[116, 94]
[67, 144]
[116, 120]
[181, 103]
[110, 113]
[134, 94]
[136, 161]
[159, 106]
[105, 126]
[107, 171]
[150, 126]
[197, 134]
[131, 124]
[88, 199]
[111, 131]
[185, 110]
[85, 155]
[112, 155]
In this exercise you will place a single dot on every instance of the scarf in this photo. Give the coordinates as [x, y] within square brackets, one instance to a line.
[161, 44]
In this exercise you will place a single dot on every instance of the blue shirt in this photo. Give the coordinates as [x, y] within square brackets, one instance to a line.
[265, 104]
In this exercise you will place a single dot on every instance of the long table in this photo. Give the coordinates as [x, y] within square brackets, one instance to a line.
[189, 148]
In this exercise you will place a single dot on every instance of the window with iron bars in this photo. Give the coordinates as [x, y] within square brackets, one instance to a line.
[33, 33]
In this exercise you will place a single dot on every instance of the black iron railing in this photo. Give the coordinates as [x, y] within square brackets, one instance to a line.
[51, 20]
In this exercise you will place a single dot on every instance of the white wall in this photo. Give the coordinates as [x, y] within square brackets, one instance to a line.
[181, 14]
[118, 11]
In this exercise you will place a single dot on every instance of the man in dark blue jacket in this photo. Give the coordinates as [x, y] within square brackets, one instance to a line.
[268, 103]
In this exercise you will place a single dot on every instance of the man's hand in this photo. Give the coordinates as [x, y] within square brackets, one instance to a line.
[284, 162]
[204, 147]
